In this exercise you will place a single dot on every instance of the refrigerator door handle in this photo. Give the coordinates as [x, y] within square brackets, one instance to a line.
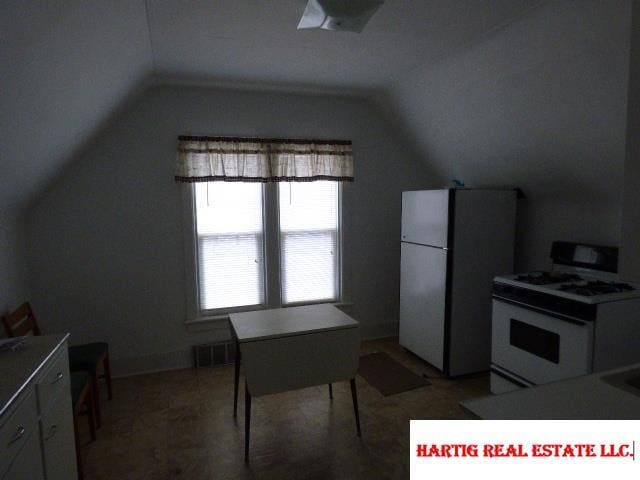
[446, 249]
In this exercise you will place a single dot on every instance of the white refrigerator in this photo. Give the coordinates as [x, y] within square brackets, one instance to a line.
[454, 242]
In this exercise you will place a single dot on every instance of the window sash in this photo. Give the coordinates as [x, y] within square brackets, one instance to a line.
[294, 293]
[209, 285]
[309, 242]
[247, 232]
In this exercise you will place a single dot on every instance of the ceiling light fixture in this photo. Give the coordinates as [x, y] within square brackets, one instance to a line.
[342, 15]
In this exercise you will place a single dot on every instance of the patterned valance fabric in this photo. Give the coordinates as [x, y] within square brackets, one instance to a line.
[206, 159]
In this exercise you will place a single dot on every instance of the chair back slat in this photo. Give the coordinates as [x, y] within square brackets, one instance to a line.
[21, 322]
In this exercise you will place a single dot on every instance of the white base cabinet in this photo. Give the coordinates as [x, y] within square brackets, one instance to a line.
[36, 422]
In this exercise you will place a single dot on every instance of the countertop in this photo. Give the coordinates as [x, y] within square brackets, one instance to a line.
[587, 397]
[18, 368]
[285, 322]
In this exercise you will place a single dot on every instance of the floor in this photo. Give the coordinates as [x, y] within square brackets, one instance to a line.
[179, 424]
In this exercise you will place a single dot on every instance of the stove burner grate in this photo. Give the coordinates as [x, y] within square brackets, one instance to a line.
[596, 287]
[545, 278]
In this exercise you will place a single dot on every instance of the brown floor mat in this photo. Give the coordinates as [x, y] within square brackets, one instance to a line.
[388, 376]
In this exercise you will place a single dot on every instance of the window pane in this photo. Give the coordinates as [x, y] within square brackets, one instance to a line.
[309, 241]
[229, 207]
[230, 255]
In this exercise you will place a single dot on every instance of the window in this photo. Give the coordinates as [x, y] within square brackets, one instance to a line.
[238, 266]
[264, 221]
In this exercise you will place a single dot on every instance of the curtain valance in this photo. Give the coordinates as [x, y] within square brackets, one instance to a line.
[206, 159]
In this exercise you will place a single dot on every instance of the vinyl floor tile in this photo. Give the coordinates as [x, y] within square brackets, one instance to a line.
[180, 425]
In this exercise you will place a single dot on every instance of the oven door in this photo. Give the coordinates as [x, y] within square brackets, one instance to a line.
[537, 346]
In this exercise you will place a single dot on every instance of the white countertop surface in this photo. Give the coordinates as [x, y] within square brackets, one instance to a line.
[17, 368]
[586, 397]
[285, 322]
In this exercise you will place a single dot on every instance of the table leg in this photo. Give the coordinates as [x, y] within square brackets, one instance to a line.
[96, 397]
[247, 421]
[236, 381]
[354, 396]
[331, 391]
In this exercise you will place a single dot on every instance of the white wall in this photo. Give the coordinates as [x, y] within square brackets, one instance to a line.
[630, 243]
[540, 104]
[13, 267]
[64, 68]
[105, 242]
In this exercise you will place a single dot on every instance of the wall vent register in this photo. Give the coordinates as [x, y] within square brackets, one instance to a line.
[214, 354]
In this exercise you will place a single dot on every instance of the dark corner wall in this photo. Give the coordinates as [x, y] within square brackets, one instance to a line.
[13, 265]
[539, 104]
[64, 67]
[630, 252]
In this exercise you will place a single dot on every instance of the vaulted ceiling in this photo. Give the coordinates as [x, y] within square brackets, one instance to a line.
[258, 41]
[65, 67]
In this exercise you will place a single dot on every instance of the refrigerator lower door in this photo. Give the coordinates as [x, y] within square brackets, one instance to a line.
[422, 301]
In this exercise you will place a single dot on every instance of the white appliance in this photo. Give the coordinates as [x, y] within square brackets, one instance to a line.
[574, 320]
[351, 16]
[454, 241]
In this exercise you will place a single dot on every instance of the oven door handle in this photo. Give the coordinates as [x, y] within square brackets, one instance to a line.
[511, 377]
[540, 310]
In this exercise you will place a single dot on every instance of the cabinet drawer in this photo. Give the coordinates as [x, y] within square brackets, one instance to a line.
[15, 431]
[28, 463]
[58, 442]
[54, 380]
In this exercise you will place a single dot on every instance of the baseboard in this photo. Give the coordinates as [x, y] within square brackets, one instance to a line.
[378, 330]
[159, 362]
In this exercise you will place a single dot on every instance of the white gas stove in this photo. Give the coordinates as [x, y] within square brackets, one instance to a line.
[579, 318]
[589, 287]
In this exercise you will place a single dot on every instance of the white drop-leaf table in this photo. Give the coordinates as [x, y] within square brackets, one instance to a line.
[286, 349]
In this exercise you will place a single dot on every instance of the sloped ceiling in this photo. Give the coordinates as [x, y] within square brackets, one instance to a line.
[66, 66]
[258, 41]
[541, 104]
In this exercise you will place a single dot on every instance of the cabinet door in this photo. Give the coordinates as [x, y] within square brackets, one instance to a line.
[17, 427]
[58, 442]
[28, 463]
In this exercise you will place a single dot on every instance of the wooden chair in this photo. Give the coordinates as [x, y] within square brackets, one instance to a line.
[82, 395]
[87, 357]
[21, 322]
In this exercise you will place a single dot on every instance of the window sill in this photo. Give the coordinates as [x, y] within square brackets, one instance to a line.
[207, 323]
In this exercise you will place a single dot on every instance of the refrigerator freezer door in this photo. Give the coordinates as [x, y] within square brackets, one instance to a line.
[425, 217]
[422, 301]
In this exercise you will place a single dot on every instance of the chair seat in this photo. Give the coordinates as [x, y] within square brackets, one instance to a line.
[78, 381]
[87, 356]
